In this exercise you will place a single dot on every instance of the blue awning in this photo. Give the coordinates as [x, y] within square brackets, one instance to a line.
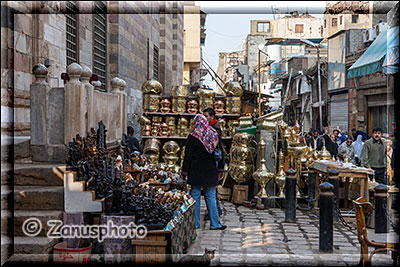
[369, 62]
[391, 63]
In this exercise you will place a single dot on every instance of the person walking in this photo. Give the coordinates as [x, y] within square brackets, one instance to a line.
[329, 144]
[340, 136]
[314, 139]
[358, 145]
[356, 133]
[209, 113]
[374, 156]
[200, 168]
[347, 150]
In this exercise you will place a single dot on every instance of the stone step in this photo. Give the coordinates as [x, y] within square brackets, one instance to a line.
[39, 198]
[6, 197]
[34, 245]
[39, 174]
[6, 248]
[20, 216]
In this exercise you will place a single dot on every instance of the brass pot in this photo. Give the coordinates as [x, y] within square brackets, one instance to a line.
[182, 126]
[206, 98]
[243, 139]
[192, 106]
[157, 119]
[144, 120]
[240, 171]
[165, 105]
[154, 131]
[152, 145]
[171, 159]
[243, 153]
[151, 102]
[171, 148]
[152, 86]
[152, 158]
[233, 88]
[180, 91]
[164, 129]
[170, 120]
[233, 104]
[262, 175]
[179, 104]
[146, 130]
[280, 177]
[324, 154]
[219, 106]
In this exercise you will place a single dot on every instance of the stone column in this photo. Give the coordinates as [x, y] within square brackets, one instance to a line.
[90, 116]
[47, 119]
[75, 106]
[124, 107]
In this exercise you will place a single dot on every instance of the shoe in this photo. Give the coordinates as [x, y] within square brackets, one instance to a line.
[207, 217]
[223, 227]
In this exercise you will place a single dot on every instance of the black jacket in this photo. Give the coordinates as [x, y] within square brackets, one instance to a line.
[199, 165]
[330, 146]
[311, 141]
[133, 144]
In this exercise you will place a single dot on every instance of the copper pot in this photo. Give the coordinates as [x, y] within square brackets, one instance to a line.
[171, 148]
[192, 106]
[152, 145]
[233, 104]
[146, 130]
[165, 105]
[151, 102]
[219, 106]
[206, 98]
[179, 95]
[164, 129]
[233, 88]
[170, 120]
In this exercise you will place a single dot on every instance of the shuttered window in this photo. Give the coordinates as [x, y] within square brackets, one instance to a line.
[155, 63]
[340, 111]
[100, 42]
[71, 32]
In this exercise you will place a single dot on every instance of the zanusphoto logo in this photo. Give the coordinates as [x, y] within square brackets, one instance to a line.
[57, 229]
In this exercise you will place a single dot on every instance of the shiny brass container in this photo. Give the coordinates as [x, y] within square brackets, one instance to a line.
[219, 106]
[244, 153]
[154, 130]
[296, 151]
[262, 175]
[222, 124]
[182, 126]
[232, 127]
[164, 129]
[151, 102]
[233, 88]
[152, 87]
[165, 105]
[146, 130]
[152, 158]
[244, 140]
[192, 106]
[240, 171]
[206, 98]
[233, 104]
[241, 166]
[144, 120]
[179, 95]
[171, 148]
[157, 119]
[152, 145]
[170, 120]
[280, 177]
[324, 154]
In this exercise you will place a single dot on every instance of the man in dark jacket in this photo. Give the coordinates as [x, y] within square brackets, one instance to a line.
[314, 139]
[132, 142]
[209, 113]
[355, 133]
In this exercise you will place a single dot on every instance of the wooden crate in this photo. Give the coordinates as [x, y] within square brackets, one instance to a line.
[224, 193]
[154, 248]
[240, 194]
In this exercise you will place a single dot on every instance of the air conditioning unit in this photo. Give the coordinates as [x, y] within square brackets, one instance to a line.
[369, 35]
[380, 28]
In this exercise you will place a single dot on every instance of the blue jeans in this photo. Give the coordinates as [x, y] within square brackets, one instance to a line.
[211, 201]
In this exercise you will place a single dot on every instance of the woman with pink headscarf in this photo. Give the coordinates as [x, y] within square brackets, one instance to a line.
[201, 168]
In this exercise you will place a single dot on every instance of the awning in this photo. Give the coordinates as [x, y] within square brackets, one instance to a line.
[391, 63]
[369, 62]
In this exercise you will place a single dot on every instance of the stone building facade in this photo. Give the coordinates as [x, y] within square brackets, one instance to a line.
[142, 40]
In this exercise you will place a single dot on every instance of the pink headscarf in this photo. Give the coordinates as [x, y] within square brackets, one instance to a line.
[206, 134]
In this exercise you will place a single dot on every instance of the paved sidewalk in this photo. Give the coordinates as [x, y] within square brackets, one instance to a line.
[261, 237]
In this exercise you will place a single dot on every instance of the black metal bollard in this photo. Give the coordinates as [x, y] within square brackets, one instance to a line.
[325, 217]
[290, 196]
[381, 210]
[311, 189]
[334, 180]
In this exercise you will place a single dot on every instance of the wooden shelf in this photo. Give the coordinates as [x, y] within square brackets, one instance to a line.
[186, 114]
[176, 137]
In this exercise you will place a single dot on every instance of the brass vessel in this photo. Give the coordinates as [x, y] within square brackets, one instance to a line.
[154, 130]
[222, 124]
[206, 98]
[219, 106]
[245, 153]
[240, 171]
[164, 129]
[171, 148]
[179, 95]
[182, 126]
[170, 120]
[192, 106]
[146, 130]
[151, 95]
[262, 175]
[152, 159]
[269, 121]
[165, 105]
[152, 145]
[232, 127]
[234, 97]
[280, 178]
[243, 139]
[324, 154]
[242, 147]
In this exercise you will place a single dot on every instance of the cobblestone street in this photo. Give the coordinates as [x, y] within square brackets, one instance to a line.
[261, 237]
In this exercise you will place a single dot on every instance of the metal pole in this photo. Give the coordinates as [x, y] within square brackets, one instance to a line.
[381, 210]
[319, 89]
[334, 180]
[311, 189]
[259, 83]
[325, 218]
[290, 196]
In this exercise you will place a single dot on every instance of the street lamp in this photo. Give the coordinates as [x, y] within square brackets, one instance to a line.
[319, 79]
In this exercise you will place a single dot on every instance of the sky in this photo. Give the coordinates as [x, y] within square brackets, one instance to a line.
[228, 23]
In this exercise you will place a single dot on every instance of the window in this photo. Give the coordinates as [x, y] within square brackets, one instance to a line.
[341, 20]
[72, 32]
[100, 42]
[263, 27]
[155, 63]
[354, 18]
[381, 116]
[334, 22]
[299, 28]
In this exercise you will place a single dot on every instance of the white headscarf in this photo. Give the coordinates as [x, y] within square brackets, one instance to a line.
[358, 145]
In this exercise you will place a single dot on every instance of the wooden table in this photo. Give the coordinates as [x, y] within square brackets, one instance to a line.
[323, 168]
